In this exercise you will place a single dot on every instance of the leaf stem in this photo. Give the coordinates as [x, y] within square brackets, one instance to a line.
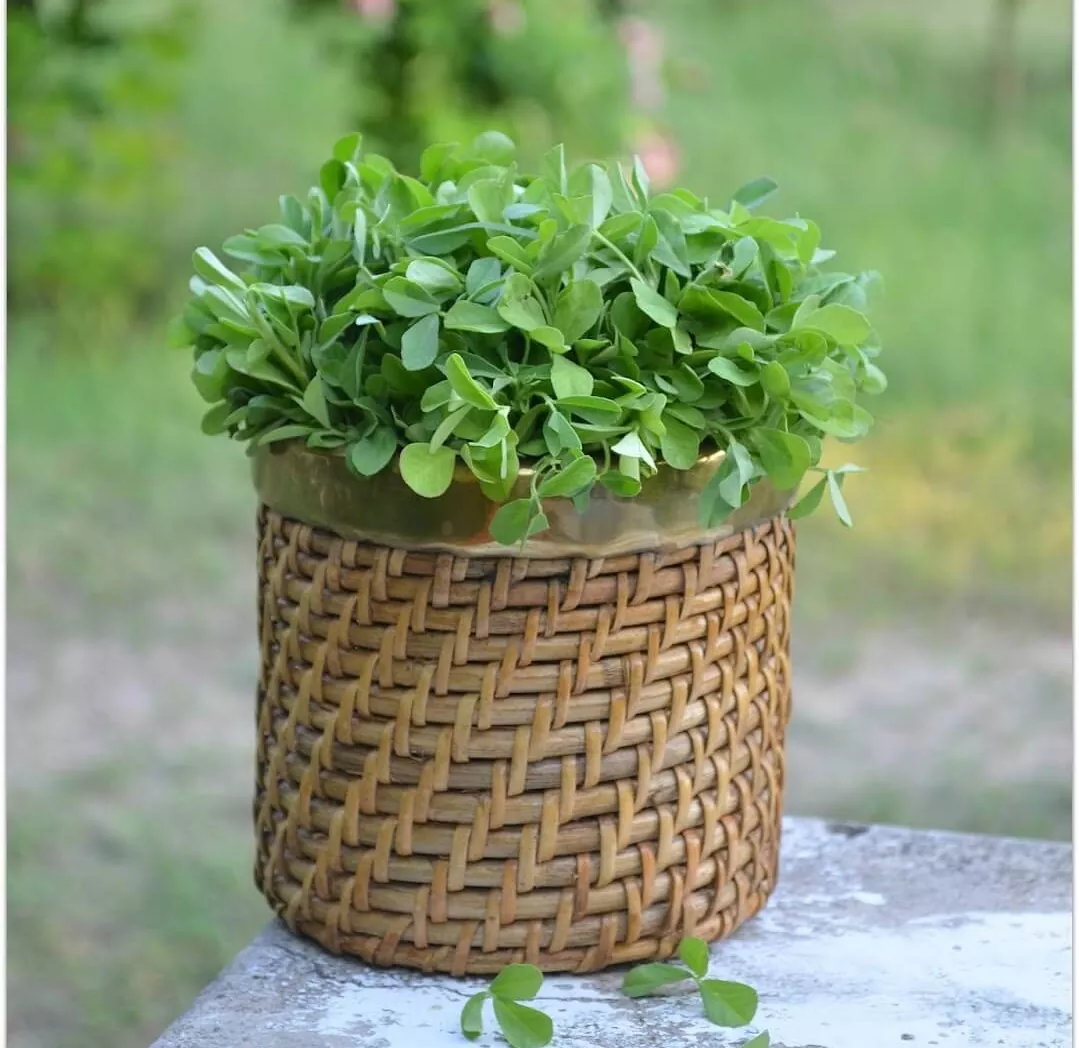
[620, 253]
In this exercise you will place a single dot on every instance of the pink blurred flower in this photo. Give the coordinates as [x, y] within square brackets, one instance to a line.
[660, 157]
[641, 39]
[507, 17]
[374, 10]
[644, 53]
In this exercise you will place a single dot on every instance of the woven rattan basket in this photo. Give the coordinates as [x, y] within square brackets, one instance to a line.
[470, 756]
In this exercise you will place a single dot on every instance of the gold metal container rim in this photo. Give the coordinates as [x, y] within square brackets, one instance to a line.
[317, 487]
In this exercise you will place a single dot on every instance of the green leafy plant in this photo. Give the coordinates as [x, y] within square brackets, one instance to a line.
[725, 1003]
[570, 322]
[521, 1026]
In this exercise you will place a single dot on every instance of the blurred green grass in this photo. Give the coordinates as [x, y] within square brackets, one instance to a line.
[124, 523]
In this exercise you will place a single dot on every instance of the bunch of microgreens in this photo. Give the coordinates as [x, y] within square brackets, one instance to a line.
[729, 1004]
[570, 322]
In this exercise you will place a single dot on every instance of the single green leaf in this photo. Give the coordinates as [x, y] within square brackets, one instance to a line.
[489, 198]
[847, 421]
[580, 473]
[550, 337]
[569, 379]
[560, 254]
[641, 182]
[809, 501]
[736, 472]
[495, 433]
[359, 237]
[681, 340]
[680, 445]
[746, 252]
[846, 326]
[874, 381]
[331, 178]
[671, 249]
[292, 211]
[782, 318]
[518, 305]
[647, 240]
[687, 413]
[373, 453]
[808, 241]
[553, 169]
[278, 236]
[314, 401]
[645, 979]
[347, 148]
[762, 1040]
[653, 304]
[517, 982]
[744, 311]
[559, 434]
[428, 473]
[288, 432]
[785, 457]
[693, 953]
[511, 252]
[419, 344]
[407, 299]
[728, 1003]
[470, 316]
[332, 326]
[626, 488]
[756, 192]
[436, 277]
[509, 525]
[714, 508]
[494, 147]
[465, 386]
[211, 268]
[729, 370]
[609, 409]
[839, 503]
[449, 426]
[631, 446]
[481, 273]
[472, 1015]
[577, 309]
[775, 380]
[213, 422]
[523, 1027]
[618, 227]
[602, 194]
[538, 523]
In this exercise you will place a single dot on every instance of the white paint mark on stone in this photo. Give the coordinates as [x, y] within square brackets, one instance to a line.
[869, 898]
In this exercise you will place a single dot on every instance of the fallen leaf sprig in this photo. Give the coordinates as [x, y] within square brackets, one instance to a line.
[726, 1003]
[521, 1026]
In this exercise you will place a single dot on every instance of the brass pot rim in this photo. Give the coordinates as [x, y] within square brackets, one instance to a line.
[317, 487]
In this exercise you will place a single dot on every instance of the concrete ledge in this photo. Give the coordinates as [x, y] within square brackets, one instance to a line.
[876, 937]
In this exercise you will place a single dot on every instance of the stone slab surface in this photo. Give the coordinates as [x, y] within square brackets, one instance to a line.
[876, 937]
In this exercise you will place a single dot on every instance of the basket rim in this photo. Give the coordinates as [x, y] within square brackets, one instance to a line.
[316, 486]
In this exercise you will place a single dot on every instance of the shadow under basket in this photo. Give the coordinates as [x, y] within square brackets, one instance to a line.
[466, 761]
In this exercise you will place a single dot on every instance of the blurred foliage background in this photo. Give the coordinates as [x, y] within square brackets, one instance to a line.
[932, 650]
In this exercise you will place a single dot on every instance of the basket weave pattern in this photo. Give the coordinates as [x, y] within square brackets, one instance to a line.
[465, 762]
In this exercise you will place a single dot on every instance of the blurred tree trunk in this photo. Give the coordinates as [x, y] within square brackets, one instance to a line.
[1004, 61]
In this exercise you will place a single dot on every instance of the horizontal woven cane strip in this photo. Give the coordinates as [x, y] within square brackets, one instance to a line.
[465, 762]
